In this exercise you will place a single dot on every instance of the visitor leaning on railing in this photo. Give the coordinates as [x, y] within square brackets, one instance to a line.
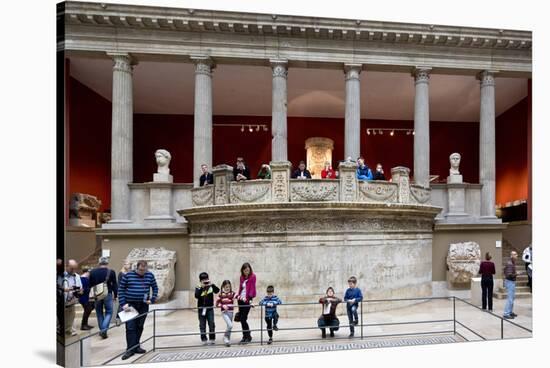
[301, 172]
[135, 292]
[247, 292]
[363, 171]
[264, 172]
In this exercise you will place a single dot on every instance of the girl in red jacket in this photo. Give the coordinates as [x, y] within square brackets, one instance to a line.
[225, 302]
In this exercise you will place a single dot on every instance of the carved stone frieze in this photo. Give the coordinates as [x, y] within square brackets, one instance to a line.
[312, 190]
[203, 196]
[419, 194]
[250, 191]
[377, 191]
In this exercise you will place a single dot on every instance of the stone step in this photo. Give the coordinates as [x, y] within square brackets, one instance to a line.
[519, 289]
[519, 295]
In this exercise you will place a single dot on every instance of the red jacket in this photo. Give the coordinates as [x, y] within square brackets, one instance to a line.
[325, 174]
[250, 287]
[225, 299]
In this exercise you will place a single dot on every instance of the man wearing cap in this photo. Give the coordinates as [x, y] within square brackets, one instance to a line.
[104, 307]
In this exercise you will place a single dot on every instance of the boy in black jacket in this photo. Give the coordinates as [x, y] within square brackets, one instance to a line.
[205, 303]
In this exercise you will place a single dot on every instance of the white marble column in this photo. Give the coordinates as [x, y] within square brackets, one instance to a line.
[121, 138]
[352, 138]
[279, 152]
[487, 143]
[422, 126]
[202, 144]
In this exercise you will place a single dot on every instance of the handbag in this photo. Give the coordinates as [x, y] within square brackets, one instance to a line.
[100, 291]
[237, 317]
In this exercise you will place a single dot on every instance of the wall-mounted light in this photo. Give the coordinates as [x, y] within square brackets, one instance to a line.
[368, 131]
[265, 128]
[242, 128]
[250, 128]
[257, 128]
[413, 132]
[391, 133]
[381, 132]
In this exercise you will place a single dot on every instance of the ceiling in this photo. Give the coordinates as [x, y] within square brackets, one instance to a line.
[168, 88]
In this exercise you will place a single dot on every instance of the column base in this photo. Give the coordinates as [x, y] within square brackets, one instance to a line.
[491, 219]
[160, 221]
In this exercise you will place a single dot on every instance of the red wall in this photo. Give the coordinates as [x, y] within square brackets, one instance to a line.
[512, 173]
[90, 136]
[90, 143]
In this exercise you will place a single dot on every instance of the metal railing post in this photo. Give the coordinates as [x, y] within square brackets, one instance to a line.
[454, 314]
[261, 324]
[154, 328]
[361, 319]
[81, 353]
[502, 328]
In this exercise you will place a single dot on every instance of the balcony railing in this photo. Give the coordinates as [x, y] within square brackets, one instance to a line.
[281, 188]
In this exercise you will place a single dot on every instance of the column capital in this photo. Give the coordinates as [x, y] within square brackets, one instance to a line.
[352, 71]
[123, 61]
[421, 74]
[204, 64]
[486, 77]
[279, 67]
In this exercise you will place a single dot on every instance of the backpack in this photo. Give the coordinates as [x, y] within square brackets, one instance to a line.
[100, 291]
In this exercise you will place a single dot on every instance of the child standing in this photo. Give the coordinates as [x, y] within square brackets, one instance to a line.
[328, 316]
[270, 301]
[225, 302]
[204, 293]
[352, 297]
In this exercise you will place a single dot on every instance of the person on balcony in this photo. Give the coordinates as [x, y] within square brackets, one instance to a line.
[265, 172]
[301, 172]
[379, 173]
[328, 172]
[363, 171]
[206, 177]
[241, 171]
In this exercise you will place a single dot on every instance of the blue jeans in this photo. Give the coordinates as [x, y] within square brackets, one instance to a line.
[511, 289]
[104, 320]
[352, 316]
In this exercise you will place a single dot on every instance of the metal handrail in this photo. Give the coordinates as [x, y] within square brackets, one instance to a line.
[362, 325]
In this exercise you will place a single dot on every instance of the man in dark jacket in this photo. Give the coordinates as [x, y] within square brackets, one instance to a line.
[379, 173]
[301, 172]
[104, 307]
[206, 177]
[204, 293]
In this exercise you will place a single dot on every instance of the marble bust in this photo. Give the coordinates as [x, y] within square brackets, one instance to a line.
[454, 159]
[454, 174]
[163, 158]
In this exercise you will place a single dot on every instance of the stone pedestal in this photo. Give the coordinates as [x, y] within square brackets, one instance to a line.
[223, 175]
[162, 178]
[456, 197]
[348, 181]
[454, 179]
[280, 176]
[400, 176]
[318, 151]
[475, 291]
[160, 204]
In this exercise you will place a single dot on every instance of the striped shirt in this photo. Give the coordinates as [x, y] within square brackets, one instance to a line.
[135, 288]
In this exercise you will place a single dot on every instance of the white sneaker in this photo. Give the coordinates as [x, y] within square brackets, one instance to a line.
[211, 342]
[226, 341]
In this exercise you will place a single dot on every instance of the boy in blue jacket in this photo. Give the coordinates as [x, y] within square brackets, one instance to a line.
[270, 301]
[352, 297]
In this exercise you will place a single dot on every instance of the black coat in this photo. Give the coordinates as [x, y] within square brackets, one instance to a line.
[208, 178]
[296, 174]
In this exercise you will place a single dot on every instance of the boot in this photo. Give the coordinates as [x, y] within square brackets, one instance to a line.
[323, 333]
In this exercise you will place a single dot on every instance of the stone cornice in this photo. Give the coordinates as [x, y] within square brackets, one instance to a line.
[304, 41]
[382, 208]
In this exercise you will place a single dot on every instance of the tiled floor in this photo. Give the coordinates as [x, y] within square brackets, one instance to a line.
[375, 324]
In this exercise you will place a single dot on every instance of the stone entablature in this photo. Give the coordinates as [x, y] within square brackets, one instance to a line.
[91, 27]
[283, 189]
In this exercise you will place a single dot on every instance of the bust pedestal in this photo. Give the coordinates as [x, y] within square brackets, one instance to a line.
[160, 200]
[456, 196]
[162, 178]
